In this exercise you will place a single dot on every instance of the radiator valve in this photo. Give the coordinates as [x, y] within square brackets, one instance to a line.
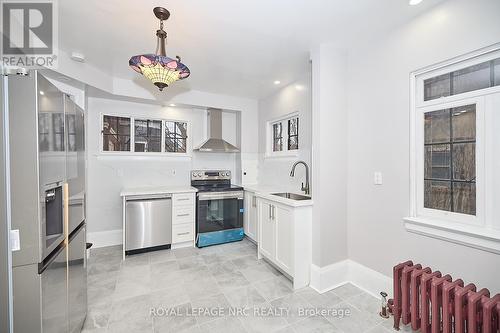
[383, 311]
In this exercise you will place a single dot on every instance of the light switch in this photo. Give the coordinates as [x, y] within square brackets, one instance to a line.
[377, 178]
[15, 242]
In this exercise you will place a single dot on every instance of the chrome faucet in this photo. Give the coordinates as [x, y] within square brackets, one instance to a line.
[306, 188]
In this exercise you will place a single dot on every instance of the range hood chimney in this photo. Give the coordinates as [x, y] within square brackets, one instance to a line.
[215, 143]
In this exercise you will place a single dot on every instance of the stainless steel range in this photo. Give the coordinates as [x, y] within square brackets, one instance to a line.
[219, 208]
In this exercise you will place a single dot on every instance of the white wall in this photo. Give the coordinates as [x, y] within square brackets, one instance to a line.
[274, 171]
[108, 174]
[379, 140]
[329, 103]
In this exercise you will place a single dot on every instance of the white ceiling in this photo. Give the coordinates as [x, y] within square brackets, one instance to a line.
[232, 47]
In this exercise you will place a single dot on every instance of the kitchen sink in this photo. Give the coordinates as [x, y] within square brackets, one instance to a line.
[292, 196]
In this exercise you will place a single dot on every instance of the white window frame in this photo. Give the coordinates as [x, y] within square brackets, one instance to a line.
[132, 152]
[475, 231]
[269, 136]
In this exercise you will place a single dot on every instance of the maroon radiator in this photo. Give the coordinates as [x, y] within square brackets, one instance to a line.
[433, 303]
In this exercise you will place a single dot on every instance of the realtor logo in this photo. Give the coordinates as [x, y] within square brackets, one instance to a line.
[29, 36]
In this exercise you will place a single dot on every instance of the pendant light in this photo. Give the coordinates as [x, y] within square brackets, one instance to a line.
[160, 69]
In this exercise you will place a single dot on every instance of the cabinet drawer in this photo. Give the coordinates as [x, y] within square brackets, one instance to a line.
[183, 199]
[183, 214]
[182, 233]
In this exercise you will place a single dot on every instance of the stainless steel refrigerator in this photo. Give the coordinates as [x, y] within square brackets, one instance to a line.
[47, 161]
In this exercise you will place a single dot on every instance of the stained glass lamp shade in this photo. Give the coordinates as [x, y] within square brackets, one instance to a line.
[160, 69]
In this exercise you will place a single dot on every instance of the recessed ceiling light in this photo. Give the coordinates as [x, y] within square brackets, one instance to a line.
[42, 93]
[172, 105]
[299, 87]
[64, 78]
[415, 2]
[77, 57]
[277, 82]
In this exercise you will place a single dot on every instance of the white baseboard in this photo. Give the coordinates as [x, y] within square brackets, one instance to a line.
[105, 238]
[182, 245]
[329, 277]
[332, 276]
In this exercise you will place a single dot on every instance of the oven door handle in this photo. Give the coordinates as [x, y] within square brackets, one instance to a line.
[220, 195]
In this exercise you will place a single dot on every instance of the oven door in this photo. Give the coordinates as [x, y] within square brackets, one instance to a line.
[218, 211]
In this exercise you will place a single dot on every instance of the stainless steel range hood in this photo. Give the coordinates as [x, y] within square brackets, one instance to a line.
[215, 143]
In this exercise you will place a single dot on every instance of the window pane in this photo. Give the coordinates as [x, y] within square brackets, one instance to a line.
[175, 137]
[147, 135]
[464, 161]
[497, 72]
[437, 162]
[114, 142]
[116, 133]
[464, 198]
[464, 123]
[437, 195]
[277, 137]
[181, 145]
[169, 127]
[436, 87]
[124, 126]
[293, 134]
[293, 143]
[293, 126]
[181, 129]
[278, 145]
[277, 130]
[437, 126]
[471, 78]
[169, 145]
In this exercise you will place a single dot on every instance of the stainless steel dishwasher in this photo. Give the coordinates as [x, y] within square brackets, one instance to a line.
[148, 223]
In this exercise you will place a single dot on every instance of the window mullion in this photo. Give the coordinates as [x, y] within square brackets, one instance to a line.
[162, 139]
[452, 203]
[132, 135]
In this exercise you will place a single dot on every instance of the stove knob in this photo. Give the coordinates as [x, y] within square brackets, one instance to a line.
[228, 174]
[199, 174]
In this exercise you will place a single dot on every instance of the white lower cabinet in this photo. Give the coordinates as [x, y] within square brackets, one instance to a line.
[267, 230]
[183, 217]
[285, 238]
[283, 220]
[250, 216]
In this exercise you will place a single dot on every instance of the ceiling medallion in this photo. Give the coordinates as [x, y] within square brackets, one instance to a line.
[159, 68]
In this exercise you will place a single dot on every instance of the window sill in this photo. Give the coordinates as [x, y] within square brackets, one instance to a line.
[142, 155]
[286, 154]
[482, 238]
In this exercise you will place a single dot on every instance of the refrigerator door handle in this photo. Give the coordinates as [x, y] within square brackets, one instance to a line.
[66, 211]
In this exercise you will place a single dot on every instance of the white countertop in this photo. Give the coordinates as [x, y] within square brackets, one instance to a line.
[264, 191]
[126, 192]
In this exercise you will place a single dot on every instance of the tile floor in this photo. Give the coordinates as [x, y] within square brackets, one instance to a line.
[122, 294]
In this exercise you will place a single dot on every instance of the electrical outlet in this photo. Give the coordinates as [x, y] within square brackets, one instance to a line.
[377, 178]
[15, 242]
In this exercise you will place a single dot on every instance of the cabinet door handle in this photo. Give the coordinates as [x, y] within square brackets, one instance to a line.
[254, 201]
[270, 212]
[183, 199]
[180, 215]
[183, 233]
[273, 210]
